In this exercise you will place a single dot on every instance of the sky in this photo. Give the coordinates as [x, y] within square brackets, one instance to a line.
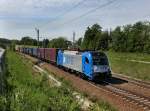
[54, 18]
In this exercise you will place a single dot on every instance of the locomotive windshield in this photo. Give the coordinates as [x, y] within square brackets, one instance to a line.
[99, 58]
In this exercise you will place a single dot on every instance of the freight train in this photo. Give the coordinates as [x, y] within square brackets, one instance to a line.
[93, 65]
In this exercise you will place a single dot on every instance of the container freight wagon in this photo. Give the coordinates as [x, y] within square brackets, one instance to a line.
[30, 51]
[35, 52]
[41, 54]
[47, 54]
[93, 65]
[51, 54]
[25, 50]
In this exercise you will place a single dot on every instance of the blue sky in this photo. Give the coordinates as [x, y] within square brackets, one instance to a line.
[19, 18]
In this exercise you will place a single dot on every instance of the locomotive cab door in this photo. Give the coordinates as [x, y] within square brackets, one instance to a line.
[87, 66]
[60, 58]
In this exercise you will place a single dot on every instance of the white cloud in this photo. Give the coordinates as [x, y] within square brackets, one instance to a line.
[19, 5]
[19, 17]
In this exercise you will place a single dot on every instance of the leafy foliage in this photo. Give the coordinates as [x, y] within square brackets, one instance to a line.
[59, 43]
[91, 37]
[128, 38]
[132, 38]
[79, 42]
[95, 38]
[28, 41]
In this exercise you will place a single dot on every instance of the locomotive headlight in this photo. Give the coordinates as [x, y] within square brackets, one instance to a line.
[95, 68]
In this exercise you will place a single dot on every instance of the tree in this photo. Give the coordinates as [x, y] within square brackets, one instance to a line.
[132, 38]
[103, 41]
[4, 43]
[60, 42]
[28, 41]
[45, 43]
[79, 42]
[117, 39]
[91, 37]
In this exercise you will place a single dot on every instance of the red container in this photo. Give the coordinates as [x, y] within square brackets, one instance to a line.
[41, 53]
[51, 54]
[47, 54]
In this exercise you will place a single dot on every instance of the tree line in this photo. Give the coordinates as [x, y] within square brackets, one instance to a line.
[127, 38]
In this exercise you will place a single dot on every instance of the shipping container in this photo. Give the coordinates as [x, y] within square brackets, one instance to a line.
[41, 54]
[35, 52]
[51, 54]
[47, 54]
[26, 50]
[30, 51]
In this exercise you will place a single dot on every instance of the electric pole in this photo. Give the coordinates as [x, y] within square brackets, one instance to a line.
[74, 34]
[38, 32]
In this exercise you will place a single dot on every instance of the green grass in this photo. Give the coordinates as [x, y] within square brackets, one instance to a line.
[119, 64]
[131, 56]
[29, 92]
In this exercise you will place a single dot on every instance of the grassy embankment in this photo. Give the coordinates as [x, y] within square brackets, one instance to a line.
[28, 91]
[120, 63]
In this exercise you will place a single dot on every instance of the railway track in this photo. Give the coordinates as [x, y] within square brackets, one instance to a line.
[125, 94]
[128, 96]
[142, 84]
[137, 99]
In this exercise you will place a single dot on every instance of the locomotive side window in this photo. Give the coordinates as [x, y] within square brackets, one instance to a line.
[86, 60]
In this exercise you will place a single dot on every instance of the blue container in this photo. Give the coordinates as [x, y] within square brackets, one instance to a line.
[35, 52]
[26, 50]
[30, 51]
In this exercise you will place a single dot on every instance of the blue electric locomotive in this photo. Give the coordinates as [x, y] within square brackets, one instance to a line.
[93, 65]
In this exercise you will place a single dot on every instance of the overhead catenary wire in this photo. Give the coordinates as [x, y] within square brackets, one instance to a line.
[86, 13]
[65, 13]
[89, 12]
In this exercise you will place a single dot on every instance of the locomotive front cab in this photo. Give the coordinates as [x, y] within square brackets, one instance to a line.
[95, 65]
[101, 67]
